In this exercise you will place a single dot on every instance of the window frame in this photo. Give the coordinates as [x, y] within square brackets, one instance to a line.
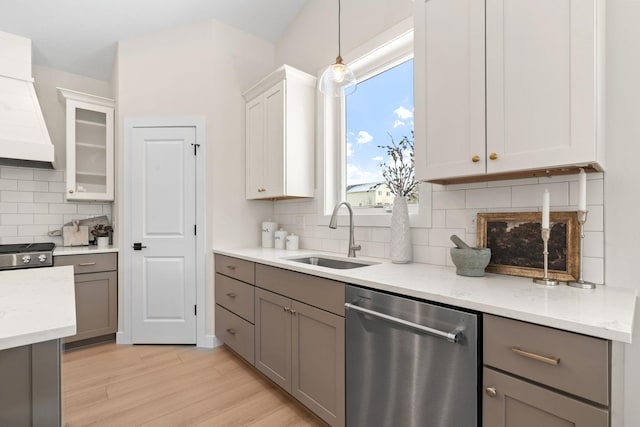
[383, 52]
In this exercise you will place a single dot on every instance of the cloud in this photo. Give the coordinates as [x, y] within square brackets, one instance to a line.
[349, 149]
[398, 123]
[364, 137]
[378, 158]
[357, 175]
[403, 113]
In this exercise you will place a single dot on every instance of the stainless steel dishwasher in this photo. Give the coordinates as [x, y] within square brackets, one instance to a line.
[409, 363]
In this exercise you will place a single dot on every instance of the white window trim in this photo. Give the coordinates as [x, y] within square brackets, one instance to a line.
[385, 51]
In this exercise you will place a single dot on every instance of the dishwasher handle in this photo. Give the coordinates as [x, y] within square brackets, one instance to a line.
[453, 336]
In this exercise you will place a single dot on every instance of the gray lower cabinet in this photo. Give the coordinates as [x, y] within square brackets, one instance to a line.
[96, 286]
[539, 376]
[300, 346]
[30, 385]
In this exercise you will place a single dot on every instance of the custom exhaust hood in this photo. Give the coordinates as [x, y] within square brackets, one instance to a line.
[24, 139]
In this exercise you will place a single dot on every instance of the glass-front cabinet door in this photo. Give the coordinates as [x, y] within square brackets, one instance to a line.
[90, 141]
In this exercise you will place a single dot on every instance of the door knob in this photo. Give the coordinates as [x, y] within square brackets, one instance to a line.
[475, 159]
[138, 246]
[491, 391]
[71, 190]
[493, 156]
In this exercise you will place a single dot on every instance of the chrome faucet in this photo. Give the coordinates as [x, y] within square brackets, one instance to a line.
[334, 224]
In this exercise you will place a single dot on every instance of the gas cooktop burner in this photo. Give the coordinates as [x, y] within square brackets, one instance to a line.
[26, 255]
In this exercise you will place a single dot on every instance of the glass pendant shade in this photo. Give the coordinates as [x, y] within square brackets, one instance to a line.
[337, 80]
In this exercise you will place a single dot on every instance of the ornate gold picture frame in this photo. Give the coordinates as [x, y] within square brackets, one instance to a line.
[516, 244]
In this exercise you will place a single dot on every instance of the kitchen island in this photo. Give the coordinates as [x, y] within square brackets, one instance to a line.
[37, 310]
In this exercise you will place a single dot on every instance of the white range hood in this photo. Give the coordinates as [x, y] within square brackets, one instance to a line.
[24, 139]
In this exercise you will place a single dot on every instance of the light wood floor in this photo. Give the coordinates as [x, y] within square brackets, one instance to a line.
[113, 385]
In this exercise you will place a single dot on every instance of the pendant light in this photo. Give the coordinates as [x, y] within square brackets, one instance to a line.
[338, 79]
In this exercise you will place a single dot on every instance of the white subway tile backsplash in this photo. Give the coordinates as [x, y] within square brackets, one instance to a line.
[498, 197]
[442, 236]
[16, 173]
[33, 186]
[372, 249]
[48, 175]
[32, 203]
[8, 230]
[16, 196]
[48, 197]
[362, 233]
[430, 255]
[595, 218]
[595, 192]
[448, 199]
[50, 219]
[594, 244]
[40, 208]
[57, 187]
[32, 230]
[6, 207]
[9, 184]
[512, 182]
[16, 219]
[90, 209]
[62, 208]
[531, 195]
[381, 234]
[438, 218]
[420, 236]
[593, 269]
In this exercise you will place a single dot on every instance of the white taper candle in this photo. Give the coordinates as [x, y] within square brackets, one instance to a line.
[582, 191]
[545, 209]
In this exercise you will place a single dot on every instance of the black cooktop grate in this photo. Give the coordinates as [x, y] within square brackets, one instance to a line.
[26, 247]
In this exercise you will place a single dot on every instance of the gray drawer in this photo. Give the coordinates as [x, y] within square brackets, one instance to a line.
[235, 296]
[530, 351]
[236, 268]
[90, 263]
[316, 291]
[235, 332]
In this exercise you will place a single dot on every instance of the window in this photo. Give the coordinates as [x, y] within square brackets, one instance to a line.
[378, 115]
[387, 55]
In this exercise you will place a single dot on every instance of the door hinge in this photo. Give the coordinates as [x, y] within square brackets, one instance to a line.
[195, 148]
[195, 229]
[195, 310]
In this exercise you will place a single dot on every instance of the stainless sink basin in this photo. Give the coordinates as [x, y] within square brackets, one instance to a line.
[342, 264]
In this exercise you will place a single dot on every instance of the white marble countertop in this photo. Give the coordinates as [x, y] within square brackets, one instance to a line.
[83, 250]
[36, 305]
[605, 312]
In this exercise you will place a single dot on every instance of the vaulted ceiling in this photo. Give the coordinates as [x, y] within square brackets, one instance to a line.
[80, 36]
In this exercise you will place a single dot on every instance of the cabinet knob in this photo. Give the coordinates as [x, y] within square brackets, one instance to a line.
[286, 308]
[292, 311]
[475, 159]
[493, 156]
[231, 331]
[491, 391]
[71, 190]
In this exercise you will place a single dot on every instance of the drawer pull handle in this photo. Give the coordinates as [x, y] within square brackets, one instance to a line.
[231, 267]
[491, 391]
[86, 264]
[286, 309]
[544, 359]
[231, 331]
[231, 295]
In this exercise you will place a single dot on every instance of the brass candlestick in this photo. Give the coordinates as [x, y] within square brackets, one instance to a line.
[546, 280]
[581, 283]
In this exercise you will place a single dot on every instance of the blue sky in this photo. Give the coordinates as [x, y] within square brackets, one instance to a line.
[380, 106]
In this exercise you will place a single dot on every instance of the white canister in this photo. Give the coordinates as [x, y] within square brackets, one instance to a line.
[268, 232]
[292, 242]
[279, 239]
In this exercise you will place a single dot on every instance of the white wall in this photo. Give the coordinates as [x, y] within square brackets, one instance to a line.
[622, 198]
[32, 201]
[201, 70]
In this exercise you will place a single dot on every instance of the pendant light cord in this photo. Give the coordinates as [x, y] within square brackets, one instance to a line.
[339, 35]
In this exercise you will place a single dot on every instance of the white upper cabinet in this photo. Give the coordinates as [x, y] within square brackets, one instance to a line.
[507, 88]
[90, 146]
[280, 112]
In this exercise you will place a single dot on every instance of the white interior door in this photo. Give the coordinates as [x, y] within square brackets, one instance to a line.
[163, 272]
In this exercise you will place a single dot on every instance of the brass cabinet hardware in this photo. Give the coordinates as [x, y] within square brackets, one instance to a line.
[475, 159]
[71, 190]
[493, 156]
[544, 359]
[231, 331]
[292, 311]
[231, 267]
[286, 309]
[231, 295]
